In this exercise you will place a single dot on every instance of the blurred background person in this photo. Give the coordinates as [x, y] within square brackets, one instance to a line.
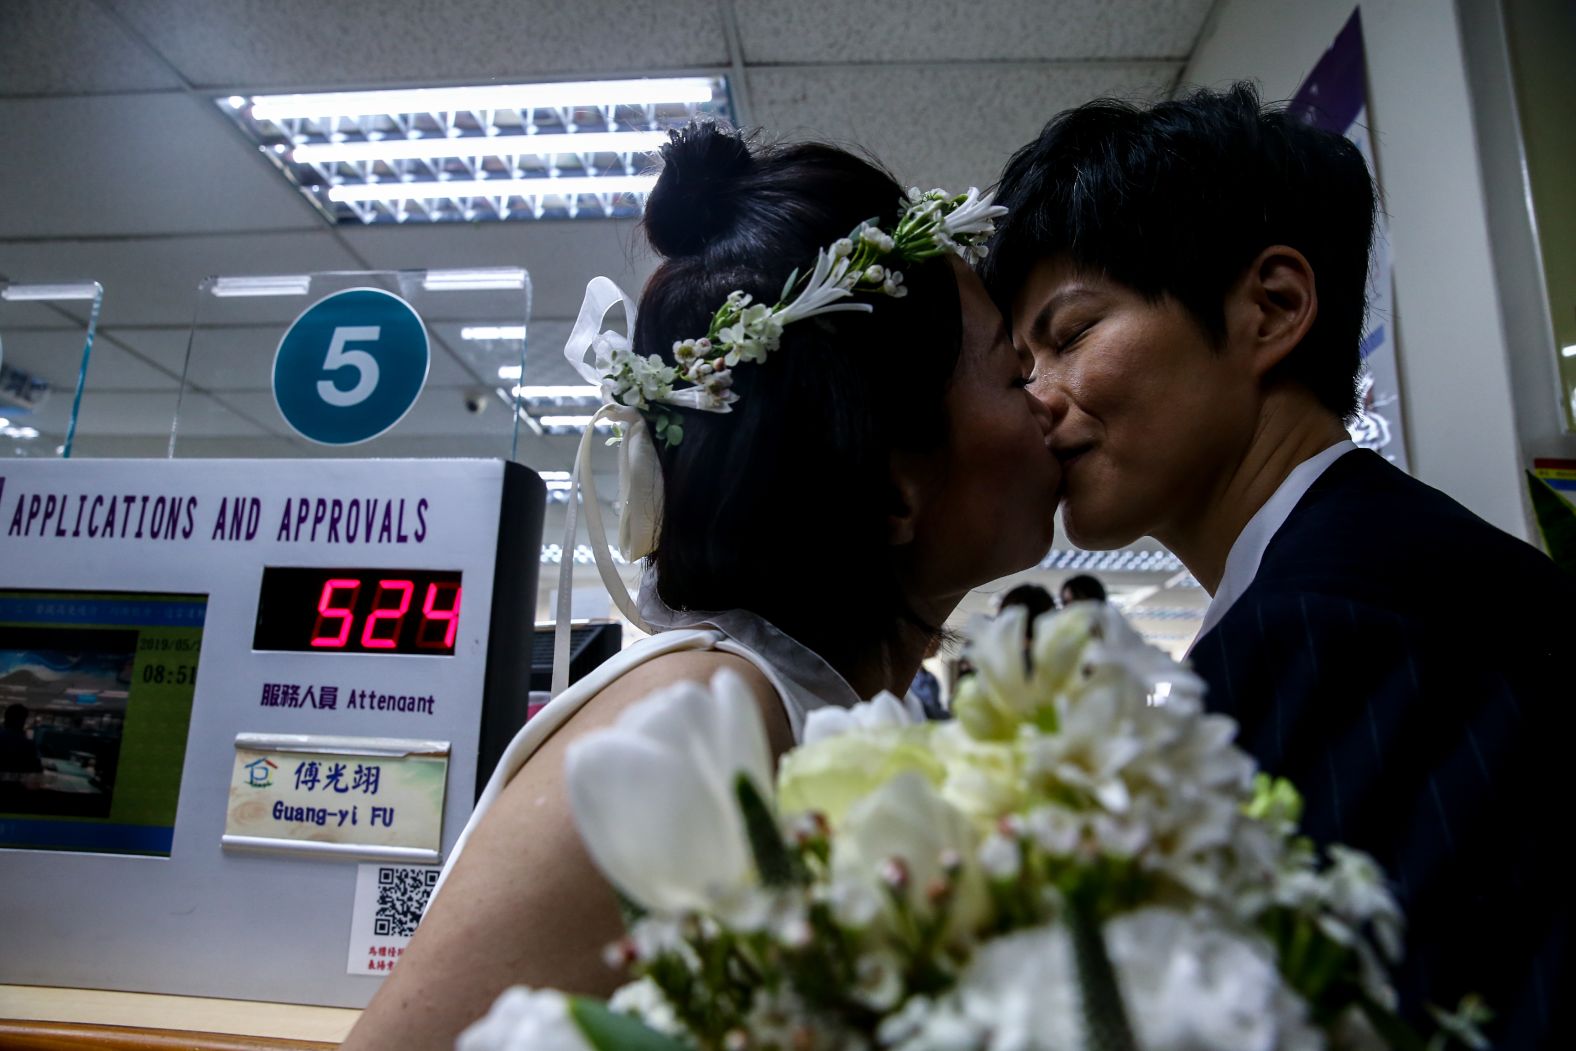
[1082, 588]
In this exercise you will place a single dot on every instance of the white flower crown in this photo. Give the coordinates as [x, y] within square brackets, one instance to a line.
[639, 390]
[743, 330]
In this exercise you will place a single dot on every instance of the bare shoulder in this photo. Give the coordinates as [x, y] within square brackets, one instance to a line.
[698, 666]
[524, 904]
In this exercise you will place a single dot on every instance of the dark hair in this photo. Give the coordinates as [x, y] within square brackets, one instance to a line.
[1031, 597]
[781, 505]
[1084, 587]
[1177, 199]
[15, 715]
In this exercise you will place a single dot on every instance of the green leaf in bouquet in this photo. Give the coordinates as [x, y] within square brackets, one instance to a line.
[629, 910]
[608, 1030]
[1556, 521]
[772, 859]
[1396, 1034]
[1462, 1026]
[1275, 801]
[1105, 1017]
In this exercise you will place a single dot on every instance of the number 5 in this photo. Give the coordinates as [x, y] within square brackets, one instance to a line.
[365, 364]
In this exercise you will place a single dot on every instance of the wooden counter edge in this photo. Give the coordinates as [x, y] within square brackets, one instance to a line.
[204, 1018]
[25, 1035]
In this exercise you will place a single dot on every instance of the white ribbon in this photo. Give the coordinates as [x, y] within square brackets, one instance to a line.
[590, 350]
[639, 473]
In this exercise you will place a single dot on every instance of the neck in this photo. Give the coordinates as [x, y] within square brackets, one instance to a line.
[892, 667]
[1292, 428]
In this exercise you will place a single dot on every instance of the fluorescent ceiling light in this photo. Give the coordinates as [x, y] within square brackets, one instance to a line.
[267, 285]
[356, 155]
[474, 280]
[1569, 352]
[589, 93]
[585, 142]
[595, 185]
[482, 332]
[76, 290]
[509, 372]
[553, 476]
[540, 393]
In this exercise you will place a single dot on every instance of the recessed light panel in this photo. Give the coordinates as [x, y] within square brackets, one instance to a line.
[569, 150]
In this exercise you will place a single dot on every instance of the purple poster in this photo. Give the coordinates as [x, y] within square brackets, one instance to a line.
[1335, 97]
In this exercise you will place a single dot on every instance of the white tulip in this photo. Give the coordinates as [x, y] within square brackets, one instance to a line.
[1020, 992]
[882, 710]
[525, 1019]
[905, 821]
[1192, 985]
[654, 795]
[644, 1000]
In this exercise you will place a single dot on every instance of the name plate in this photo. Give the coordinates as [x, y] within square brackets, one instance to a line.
[355, 798]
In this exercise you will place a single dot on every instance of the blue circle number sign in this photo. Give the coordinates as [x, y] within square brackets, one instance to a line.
[351, 366]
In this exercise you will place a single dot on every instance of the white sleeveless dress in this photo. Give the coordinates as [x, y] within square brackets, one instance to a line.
[802, 679]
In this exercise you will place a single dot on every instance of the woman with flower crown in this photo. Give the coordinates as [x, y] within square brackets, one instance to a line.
[826, 442]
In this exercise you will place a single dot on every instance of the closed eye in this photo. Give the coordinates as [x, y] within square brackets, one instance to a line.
[1067, 342]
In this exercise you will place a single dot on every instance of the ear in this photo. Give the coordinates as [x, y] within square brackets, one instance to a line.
[1274, 305]
[907, 498]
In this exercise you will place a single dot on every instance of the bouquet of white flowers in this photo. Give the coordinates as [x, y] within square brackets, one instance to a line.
[1080, 860]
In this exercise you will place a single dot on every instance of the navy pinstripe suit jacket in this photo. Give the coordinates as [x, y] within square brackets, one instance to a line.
[1412, 670]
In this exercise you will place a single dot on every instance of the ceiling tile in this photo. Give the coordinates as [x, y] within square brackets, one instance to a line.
[54, 46]
[154, 281]
[135, 164]
[437, 412]
[862, 31]
[32, 313]
[56, 355]
[561, 256]
[53, 355]
[302, 44]
[939, 125]
[156, 446]
[139, 412]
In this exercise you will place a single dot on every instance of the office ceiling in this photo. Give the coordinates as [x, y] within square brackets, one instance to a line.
[117, 166]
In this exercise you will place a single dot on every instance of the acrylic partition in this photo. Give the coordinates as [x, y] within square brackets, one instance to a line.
[46, 345]
[384, 364]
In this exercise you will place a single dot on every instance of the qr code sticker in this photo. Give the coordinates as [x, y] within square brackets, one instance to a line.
[402, 895]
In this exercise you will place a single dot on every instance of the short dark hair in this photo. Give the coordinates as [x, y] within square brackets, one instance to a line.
[15, 715]
[787, 498]
[1084, 587]
[1178, 198]
[1031, 597]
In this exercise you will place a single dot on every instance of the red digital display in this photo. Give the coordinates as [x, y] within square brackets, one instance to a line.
[358, 610]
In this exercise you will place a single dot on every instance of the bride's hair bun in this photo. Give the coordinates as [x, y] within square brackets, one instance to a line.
[696, 196]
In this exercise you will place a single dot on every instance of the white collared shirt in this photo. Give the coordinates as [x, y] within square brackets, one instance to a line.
[1242, 563]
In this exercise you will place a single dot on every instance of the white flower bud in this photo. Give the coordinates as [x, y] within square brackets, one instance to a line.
[875, 273]
[1000, 857]
[842, 247]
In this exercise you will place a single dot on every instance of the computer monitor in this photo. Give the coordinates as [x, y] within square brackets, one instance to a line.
[96, 690]
[590, 644]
